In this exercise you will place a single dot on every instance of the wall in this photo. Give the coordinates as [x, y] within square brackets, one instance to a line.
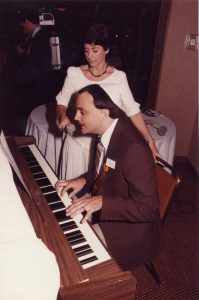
[193, 155]
[178, 82]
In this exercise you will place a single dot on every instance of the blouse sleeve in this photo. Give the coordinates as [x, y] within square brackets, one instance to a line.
[129, 105]
[68, 88]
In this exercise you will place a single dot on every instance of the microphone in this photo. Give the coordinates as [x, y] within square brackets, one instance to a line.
[70, 129]
[162, 130]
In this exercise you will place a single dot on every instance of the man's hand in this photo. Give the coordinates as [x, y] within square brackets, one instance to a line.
[88, 205]
[62, 186]
[19, 50]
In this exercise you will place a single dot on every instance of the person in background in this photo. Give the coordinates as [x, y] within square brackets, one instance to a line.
[30, 80]
[124, 196]
[98, 71]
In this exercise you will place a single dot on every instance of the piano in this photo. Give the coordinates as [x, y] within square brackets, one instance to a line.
[86, 267]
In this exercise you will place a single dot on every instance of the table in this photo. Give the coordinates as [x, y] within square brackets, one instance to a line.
[41, 124]
[163, 131]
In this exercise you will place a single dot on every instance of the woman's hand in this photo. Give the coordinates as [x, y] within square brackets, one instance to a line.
[139, 122]
[61, 121]
[154, 149]
[62, 186]
[88, 205]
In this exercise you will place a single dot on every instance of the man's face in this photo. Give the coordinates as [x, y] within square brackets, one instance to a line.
[26, 26]
[90, 118]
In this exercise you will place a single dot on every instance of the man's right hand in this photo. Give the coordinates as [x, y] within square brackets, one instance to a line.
[20, 50]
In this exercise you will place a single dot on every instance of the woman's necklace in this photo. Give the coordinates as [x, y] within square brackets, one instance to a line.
[99, 74]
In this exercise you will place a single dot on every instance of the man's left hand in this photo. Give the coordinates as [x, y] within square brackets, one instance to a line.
[62, 186]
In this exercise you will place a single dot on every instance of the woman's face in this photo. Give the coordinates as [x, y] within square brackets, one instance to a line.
[95, 54]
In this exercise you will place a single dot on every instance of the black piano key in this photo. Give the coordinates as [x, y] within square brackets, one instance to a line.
[32, 163]
[25, 150]
[57, 205]
[87, 260]
[52, 197]
[81, 248]
[44, 182]
[39, 175]
[29, 158]
[85, 252]
[36, 169]
[77, 241]
[75, 237]
[27, 154]
[60, 215]
[68, 226]
[70, 234]
[48, 189]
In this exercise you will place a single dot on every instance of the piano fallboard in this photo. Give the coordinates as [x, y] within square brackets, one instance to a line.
[86, 266]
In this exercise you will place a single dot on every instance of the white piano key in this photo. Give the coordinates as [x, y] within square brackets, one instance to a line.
[87, 256]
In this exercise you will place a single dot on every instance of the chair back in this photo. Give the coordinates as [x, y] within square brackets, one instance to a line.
[168, 180]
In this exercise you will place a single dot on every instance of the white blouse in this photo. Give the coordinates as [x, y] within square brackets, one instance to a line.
[116, 86]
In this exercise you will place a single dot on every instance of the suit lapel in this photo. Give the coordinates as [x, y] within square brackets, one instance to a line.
[111, 153]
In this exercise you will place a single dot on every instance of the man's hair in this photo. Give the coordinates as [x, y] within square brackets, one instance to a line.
[101, 100]
[97, 34]
[30, 14]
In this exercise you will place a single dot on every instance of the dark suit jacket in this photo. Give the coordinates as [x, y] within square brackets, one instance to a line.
[39, 59]
[129, 217]
[35, 74]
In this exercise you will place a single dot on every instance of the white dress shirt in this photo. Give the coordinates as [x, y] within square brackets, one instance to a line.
[105, 139]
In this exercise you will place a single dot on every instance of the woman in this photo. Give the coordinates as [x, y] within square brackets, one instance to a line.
[114, 82]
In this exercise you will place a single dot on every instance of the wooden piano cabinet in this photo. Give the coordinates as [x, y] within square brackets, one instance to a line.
[104, 281]
[119, 286]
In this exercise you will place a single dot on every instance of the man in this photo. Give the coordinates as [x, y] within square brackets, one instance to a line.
[36, 48]
[124, 199]
[32, 77]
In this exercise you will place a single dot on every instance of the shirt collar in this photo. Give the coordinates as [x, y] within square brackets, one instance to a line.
[35, 31]
[105, 138]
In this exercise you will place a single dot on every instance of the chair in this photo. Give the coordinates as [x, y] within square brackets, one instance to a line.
[168, 180]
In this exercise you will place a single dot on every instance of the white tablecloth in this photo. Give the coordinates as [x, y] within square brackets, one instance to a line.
[165, 143]
[41, 124]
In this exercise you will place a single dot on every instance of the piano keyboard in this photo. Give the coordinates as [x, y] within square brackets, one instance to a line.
[84, 242]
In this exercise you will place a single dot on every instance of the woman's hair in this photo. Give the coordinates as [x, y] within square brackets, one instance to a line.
[101, 100]
[97, 34]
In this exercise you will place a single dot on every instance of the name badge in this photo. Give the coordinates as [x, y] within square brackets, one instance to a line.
[110, 163]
